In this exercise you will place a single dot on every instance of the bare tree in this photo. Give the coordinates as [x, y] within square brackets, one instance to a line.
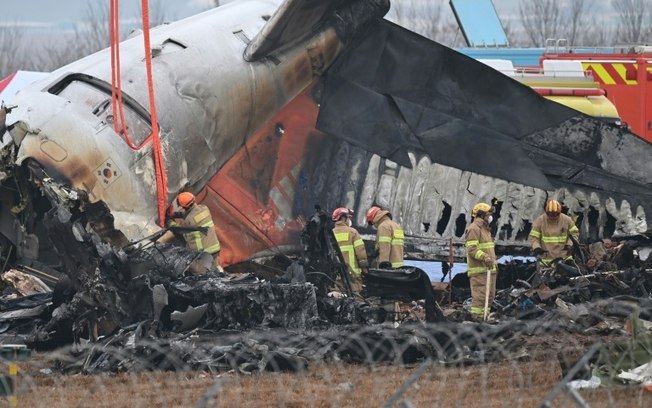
[157, 15]
[422, 17]
[10, 46]
[599, 33]
[541, 19]
[218, 3]
[94, 35]
[579, 13]
[90, 36]
[630, 19]
[513, 36]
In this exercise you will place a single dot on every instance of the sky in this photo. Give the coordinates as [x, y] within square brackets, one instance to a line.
[64, 13]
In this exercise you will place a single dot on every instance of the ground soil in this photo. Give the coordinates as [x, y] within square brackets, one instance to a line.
[523, 383]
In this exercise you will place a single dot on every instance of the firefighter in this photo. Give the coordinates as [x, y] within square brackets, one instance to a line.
[185, 212]
[389, 238]
[351, 246]
[481, 261]
[4, 110]
[3, 118]
[550, 237]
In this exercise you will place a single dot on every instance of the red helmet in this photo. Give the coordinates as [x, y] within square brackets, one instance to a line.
[371, 213]
[342, 211]
[185, 199]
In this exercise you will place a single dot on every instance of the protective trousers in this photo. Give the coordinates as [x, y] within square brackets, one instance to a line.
[205, 263]
[356, 283]
[479, 291]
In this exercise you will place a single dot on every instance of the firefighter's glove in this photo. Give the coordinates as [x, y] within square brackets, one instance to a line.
[537, 251]
[488, 261]
[568, 247]
[336, 295]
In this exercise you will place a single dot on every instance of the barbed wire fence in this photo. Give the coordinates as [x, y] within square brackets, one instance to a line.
[542, 362]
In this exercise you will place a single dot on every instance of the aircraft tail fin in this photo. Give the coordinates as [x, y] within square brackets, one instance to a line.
[296, 20]
[293, 20]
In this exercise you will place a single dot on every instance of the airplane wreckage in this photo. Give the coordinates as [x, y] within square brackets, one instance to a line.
[263, 111]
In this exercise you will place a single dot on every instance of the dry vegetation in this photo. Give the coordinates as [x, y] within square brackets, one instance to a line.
[517, 384]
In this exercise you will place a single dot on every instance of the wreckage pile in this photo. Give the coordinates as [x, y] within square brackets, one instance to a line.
[520, 361]
[133, 309]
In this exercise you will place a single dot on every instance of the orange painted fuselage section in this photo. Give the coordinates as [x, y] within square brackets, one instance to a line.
[253, 198]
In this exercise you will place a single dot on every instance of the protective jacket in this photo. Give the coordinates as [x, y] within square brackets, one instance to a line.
[480, 260]
[480, 254]
[551, 235]
[198, 215]
[389, 240]
[352, 247]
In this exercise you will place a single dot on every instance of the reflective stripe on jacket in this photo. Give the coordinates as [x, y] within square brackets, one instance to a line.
[551, 235]
[200, 216]
[479, 244]
[390, 240]
[351, 245]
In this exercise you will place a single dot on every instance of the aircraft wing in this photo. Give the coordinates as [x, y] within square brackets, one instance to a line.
[393, 91]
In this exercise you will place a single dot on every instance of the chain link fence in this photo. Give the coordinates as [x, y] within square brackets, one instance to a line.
[542, 362]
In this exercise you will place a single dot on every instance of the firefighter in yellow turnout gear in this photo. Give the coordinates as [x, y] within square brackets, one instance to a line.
[481, 260]
[192, 214]
[351, 246]
[550, 237]
[389, 238]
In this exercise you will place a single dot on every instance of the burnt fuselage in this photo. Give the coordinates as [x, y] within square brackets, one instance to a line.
[209, 102]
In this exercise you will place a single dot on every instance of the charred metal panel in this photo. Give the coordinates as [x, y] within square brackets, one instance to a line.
[142, 348]
[427, 192]
[242, 306]
[460, 113]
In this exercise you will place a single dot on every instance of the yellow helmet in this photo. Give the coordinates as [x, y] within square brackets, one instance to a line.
[483, 208]
[553, 207]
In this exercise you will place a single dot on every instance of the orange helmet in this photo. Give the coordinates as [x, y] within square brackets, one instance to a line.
[483, 208]
[185, 199]
[342, 211]
[553, 207]
[371, 213]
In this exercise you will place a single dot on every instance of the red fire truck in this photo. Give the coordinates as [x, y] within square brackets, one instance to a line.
[626, 76]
